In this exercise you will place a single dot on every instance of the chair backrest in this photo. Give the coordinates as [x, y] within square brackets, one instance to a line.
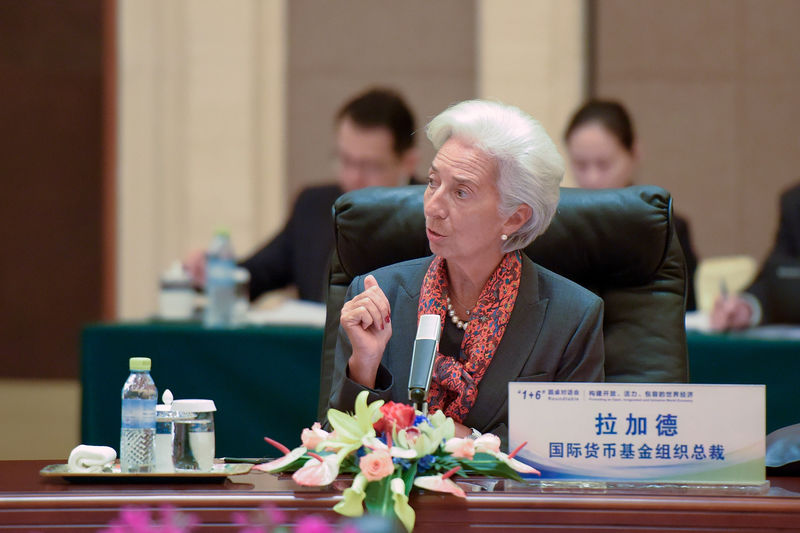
[619, 243]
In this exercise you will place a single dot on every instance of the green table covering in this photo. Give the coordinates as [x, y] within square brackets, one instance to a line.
[264, 380]
[739, 358]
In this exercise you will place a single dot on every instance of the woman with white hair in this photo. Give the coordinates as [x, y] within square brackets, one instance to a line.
[493, 187]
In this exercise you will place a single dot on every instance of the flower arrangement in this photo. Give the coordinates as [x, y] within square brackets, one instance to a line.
[389, 448]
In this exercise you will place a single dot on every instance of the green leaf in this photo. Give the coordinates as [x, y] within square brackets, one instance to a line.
[294, 466]
[408, 477]
[379, 497]
[446, 462]
[488, 465]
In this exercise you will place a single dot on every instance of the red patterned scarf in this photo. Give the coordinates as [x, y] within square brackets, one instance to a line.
[454, 386]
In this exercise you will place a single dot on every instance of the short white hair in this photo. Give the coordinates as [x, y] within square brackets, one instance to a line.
[530, 169]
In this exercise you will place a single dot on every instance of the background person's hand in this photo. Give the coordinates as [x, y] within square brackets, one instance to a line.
[195, 264]
[730, 312]
[366, 319]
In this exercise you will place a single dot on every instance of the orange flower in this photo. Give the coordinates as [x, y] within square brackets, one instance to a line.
[376, 465]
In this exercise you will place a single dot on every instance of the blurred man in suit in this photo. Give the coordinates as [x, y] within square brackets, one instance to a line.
[374, 147]
[751, 307]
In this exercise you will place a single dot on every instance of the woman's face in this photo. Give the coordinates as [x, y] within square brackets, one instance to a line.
[598, 159]
[462, 218]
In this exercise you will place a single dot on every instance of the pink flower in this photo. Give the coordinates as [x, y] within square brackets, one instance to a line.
[276, 465]
[318, 471]
[376, 465]
[519, 466]
[280, 463]
[313, 524]
[273, 514]
[395, 415]
[441, 483]
[487, 443]
[312, 437]
[463, 448]
[138, 519]
[412, 434]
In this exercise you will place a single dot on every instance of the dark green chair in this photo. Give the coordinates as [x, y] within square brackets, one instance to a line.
[618, 243]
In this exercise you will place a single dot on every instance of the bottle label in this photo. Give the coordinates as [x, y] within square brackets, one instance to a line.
[138, 413]
[219, 272]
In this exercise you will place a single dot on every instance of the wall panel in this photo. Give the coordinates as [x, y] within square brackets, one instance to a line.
[426, 50]
[532, 54]
[714, 87]
[51, 164]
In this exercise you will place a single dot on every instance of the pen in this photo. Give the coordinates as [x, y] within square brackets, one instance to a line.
[247, 460]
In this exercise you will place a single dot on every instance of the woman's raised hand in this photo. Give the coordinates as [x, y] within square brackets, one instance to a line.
[366, 320]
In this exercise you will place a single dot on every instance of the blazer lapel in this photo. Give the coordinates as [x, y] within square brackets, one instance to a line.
[514, 350]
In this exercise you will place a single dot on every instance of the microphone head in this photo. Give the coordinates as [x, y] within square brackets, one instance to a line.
[430, 326]
[426, 346]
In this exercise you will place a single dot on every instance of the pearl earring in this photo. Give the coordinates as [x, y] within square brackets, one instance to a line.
[503, 237]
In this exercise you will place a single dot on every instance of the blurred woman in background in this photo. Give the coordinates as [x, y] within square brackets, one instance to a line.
[603, 154]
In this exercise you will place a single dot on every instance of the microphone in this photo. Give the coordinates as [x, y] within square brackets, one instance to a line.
[426, 346]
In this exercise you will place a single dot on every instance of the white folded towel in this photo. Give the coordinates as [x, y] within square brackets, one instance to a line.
[91, 458]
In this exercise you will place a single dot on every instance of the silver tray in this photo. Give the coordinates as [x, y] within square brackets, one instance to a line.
[219, 472]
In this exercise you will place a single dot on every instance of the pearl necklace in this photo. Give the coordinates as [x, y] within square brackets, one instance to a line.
[460, 324]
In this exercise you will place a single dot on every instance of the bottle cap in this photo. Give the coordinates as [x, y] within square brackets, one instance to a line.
[194, 406]
[223, 230]
[165, 407]
[140, 363]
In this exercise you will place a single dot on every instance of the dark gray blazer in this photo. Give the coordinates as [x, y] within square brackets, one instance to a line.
[785, 249]
[555, 333]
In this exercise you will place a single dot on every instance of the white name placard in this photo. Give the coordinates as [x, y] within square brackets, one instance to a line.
[640, 432]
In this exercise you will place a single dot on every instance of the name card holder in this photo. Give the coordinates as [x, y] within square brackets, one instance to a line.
[663, 437]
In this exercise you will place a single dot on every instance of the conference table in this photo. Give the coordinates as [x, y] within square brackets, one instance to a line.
[264, 379]
[29, 502]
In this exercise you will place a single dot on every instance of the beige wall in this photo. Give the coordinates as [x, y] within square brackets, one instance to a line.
[41, 418]
[532, 54]
[714, 87]
[424, 49]
[201, 132]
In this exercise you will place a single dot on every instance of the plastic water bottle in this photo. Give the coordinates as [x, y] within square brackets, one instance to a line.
[137, 438]
[220, 282]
